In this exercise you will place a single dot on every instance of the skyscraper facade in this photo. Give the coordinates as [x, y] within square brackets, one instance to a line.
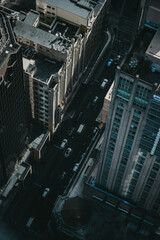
[13, 119]
[130, 157]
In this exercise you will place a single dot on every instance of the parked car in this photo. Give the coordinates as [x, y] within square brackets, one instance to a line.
[94, 101]
[68, 152]
[45, 193]
[75, 167]
[63, 175]
[104, 83]
[95, 129]
[109, 62]
[117, 59]
[70, 131]
[82, 156]
[64, 143]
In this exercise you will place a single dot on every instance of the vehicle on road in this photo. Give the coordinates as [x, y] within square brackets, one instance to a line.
[95, 129]
[70, 131]
[64, 143]
[94, 101]
[78, 116]
[68, 152]
[80, 128]
[30, 221]
[63, 175]
[82, 156]
[45, 193]
[117, 59]
[109, 62]
[75, 167]
[104, 83]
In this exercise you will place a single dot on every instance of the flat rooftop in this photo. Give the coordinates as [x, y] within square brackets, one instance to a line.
[67, 30]
[154, 47]
[40, 36]
[82, 8]
[137, 63]
[41, 68]
[31, 17]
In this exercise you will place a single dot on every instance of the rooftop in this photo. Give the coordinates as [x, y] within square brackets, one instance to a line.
[31, 18]
[137, 63]
[41, 37]
[65, 29]
[82, 8]
[41, 68]
[154, 47]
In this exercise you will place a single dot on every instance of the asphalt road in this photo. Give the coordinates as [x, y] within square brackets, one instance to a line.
[48, 172]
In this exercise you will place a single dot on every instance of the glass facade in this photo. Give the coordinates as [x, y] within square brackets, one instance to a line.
[124, 89]
[151, 129]
[112, 141]
[135, 167]
[127, 149]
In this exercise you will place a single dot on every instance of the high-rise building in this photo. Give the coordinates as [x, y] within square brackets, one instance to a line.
[13, 118]
[65, 36]
[130, 158]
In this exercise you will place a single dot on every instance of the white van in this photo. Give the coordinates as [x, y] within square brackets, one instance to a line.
[104, 83]
[30, 221]
[80, 128]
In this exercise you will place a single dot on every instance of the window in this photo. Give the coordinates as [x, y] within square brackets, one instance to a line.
[155, 166]
[153, 174]
[147, 188]
[141, 160]
[40, 8]
[136, 175]
[138, 167]
[124, 160]
[126, 153]
[129, 195]
[133, 181]
[131, 188]
[150, 181]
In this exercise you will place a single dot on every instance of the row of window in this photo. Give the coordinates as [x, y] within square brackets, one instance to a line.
[113, 138]
[40, 8]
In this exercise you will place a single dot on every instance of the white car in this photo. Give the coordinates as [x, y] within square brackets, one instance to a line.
[75, 167]
[64, 143]
[95, 99]
[45, 193]
[104, 83]
[68, 152]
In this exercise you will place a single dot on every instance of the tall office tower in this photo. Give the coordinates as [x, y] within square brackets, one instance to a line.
[130, 158]
[13, 119]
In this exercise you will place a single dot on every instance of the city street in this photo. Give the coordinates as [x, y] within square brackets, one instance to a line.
[54, 169]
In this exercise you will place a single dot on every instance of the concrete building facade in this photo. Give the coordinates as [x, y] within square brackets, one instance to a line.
[129, 160]
[66, 35]
[13, 117]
